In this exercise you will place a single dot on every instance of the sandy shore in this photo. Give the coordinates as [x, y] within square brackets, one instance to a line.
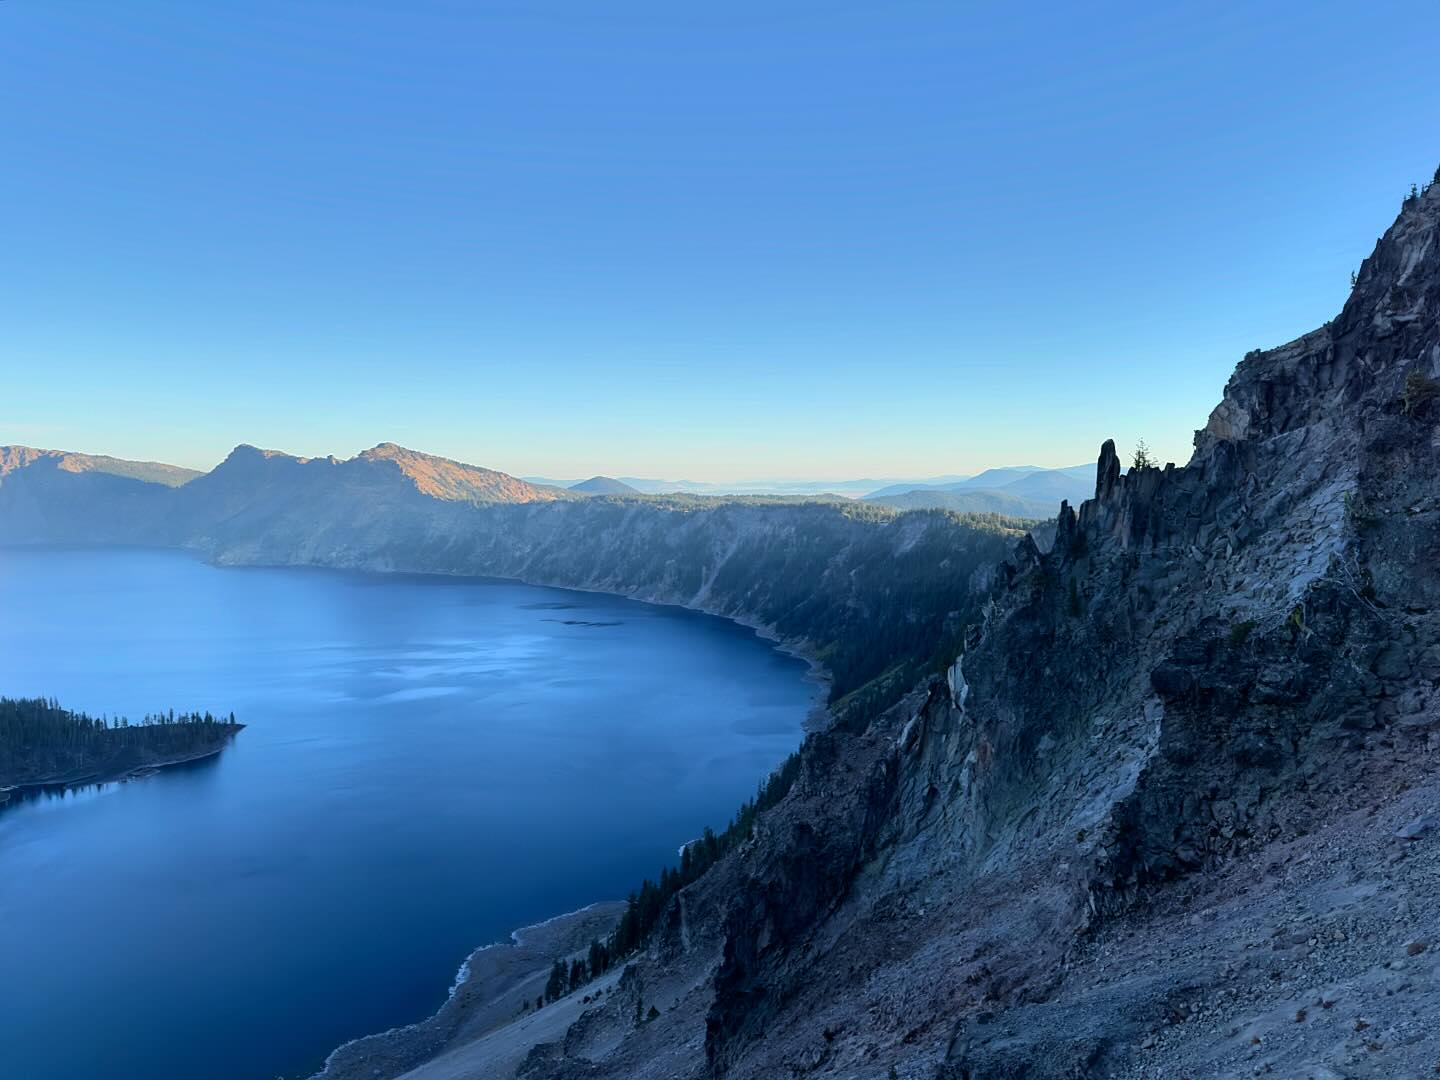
[483, 1019]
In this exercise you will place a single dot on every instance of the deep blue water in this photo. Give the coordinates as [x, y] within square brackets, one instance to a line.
[429, 763]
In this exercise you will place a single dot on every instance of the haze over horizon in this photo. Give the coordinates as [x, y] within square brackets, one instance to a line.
[819, 242]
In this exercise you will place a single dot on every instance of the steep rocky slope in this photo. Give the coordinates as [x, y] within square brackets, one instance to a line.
[1173, 811]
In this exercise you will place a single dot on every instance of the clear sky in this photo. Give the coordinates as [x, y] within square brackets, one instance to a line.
[716, 241]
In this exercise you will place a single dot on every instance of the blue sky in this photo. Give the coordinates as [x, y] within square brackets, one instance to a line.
[720, 241]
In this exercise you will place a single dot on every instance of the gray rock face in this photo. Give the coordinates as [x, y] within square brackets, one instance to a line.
[1214, 674]
[1414, 830]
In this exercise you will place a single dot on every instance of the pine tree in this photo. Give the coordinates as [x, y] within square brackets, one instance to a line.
[557, 985]
[1142, 459]
[599, 959]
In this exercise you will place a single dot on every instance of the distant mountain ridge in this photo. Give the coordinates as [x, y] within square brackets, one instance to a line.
[442, 478]
[256, 484]
[150, 472]
[1005, 477]
[1024, 481]
[603, 485]
[1019, 490]
[255, 493]
[846, 488]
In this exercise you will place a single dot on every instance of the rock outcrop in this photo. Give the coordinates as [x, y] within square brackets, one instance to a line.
[1214, 674]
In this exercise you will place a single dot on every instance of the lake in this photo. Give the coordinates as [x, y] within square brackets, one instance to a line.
[429, 763]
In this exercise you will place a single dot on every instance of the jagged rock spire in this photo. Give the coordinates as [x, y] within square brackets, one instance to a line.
[1107, 470]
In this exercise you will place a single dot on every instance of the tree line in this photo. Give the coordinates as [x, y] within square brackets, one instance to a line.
[41, 741]
[645, 907]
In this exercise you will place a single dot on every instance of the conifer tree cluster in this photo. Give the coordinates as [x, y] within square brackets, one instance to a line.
[645, 907]
[42, 742]
[565, 978]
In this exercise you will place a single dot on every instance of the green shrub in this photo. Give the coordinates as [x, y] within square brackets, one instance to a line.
[1420, 390]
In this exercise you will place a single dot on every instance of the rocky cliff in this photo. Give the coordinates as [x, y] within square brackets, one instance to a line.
[1173, 812]
[1167, 815]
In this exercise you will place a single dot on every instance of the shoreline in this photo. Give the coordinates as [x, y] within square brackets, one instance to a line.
[134, 772]
[398, 1050]
[796, 648]
[492, 990]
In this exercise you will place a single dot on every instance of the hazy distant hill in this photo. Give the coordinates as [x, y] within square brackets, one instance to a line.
[1076, 484]
[1017, 479]
[969, 502]
[604, 485]
[1023, 490]
[853, 489]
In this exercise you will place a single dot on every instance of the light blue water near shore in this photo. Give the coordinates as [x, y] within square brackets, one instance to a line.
[429, 763]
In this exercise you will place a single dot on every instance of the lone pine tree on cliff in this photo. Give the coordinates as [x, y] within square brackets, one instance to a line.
[1142, 459]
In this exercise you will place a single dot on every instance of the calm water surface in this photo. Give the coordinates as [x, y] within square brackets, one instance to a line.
[429, 763]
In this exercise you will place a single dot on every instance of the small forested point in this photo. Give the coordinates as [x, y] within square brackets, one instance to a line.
[42, 743]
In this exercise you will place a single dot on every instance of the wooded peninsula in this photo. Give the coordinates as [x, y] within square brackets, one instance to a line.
[42, 744]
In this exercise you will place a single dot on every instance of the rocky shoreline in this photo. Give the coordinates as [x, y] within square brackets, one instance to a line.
[491, 988]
